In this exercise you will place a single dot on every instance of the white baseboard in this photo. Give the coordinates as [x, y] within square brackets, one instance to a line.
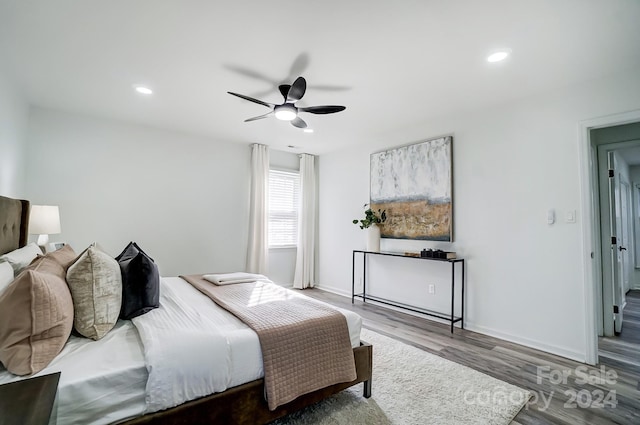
[531, 343]
[538, 345]
[333, 290]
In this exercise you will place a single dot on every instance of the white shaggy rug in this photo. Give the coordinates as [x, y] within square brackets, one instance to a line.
[411, 386]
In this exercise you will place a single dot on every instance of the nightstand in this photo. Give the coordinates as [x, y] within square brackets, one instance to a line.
[28, 402]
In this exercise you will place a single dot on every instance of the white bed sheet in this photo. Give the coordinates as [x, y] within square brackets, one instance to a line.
[105, 381]
[101, 382]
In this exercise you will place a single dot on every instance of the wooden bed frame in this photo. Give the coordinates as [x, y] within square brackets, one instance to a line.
[244, 404]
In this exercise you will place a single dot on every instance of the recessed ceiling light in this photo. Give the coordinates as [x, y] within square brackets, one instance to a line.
[498, 55]
[308, 130]
[143, 90]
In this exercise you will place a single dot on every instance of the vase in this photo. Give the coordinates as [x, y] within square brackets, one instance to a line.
[373, 238]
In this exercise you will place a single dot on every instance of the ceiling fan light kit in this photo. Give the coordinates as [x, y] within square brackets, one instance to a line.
[288, 111]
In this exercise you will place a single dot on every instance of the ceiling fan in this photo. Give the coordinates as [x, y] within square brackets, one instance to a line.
[288, 111]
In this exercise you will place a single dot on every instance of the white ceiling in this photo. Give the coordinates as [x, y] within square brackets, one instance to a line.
[391, 63]
[630, 155]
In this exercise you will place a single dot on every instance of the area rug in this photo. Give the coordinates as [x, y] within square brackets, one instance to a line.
[411, 386]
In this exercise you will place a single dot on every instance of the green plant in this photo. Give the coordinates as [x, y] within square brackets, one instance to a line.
[371, 217]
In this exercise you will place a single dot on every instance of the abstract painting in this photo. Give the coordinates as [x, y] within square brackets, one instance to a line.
[413, 184]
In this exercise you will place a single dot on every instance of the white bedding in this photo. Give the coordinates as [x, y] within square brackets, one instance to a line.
[211, 349]
[101, 382]
[208, 346]
[106, 381]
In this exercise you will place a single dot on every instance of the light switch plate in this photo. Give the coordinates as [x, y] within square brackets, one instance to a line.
[551, 216]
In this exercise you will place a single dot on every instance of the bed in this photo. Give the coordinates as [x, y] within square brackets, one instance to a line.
[106, 379]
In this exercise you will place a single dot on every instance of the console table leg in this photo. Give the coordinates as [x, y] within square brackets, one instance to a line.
[364, 277]
[353, 276]
[453, 292]
[462, 296]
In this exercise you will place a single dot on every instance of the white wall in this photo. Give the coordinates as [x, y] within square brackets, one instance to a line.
[184, 199]
[512, 163]
[13, 126]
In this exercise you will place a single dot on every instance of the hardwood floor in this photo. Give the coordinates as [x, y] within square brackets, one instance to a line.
[552, 403]
[623, 351]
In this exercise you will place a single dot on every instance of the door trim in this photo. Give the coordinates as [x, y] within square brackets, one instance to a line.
[591, 267]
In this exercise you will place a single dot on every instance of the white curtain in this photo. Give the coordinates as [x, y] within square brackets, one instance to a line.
[305, 258]
[258, 249]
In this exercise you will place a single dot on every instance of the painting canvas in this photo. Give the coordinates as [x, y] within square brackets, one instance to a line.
[413, 184]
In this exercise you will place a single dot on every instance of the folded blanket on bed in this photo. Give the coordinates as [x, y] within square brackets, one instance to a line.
[236, 277]
[305, 344]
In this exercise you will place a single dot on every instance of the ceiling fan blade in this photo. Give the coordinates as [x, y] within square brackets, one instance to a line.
[259, 117]
[250, 99]
[284, 90]
[327, 87]
[297, 90]
[299, 65]
[298, 122]
[251, 74]
[326, 109]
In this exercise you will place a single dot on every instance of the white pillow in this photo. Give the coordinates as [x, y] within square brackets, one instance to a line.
[6, 276]
[21, 257]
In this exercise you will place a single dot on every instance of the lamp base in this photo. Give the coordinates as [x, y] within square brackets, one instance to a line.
[42, 242]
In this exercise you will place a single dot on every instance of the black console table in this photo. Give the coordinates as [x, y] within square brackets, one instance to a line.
[444, 316]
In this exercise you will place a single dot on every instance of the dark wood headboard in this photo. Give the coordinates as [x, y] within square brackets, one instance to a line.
[14, 223]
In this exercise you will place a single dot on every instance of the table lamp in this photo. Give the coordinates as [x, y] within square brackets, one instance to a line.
[44, 221]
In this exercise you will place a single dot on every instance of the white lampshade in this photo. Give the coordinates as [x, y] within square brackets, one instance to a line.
[44, 220]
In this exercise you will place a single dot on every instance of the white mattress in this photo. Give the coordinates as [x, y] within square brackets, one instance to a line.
[105, 381]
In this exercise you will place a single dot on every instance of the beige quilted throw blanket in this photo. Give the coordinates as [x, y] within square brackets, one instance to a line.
[305, 345]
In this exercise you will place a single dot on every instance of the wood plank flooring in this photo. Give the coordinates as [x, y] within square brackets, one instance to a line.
[624, 350]
[552, 403]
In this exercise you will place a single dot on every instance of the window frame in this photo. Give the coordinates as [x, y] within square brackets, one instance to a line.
[293, 245]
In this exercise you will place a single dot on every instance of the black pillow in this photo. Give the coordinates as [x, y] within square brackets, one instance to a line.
[140, 282]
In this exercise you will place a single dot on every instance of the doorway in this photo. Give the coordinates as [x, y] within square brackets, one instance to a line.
[615, 152]
[591, 247]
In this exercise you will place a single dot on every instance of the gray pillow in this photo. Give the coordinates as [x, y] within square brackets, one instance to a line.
[21, 257]
[6, 276]
[96, 288]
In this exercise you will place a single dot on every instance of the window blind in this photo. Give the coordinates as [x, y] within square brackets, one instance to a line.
[284, 196]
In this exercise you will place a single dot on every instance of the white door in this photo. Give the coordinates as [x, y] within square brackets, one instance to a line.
[625, 215]
[615, 224]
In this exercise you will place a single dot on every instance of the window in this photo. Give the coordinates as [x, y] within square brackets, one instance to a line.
[284, 195]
